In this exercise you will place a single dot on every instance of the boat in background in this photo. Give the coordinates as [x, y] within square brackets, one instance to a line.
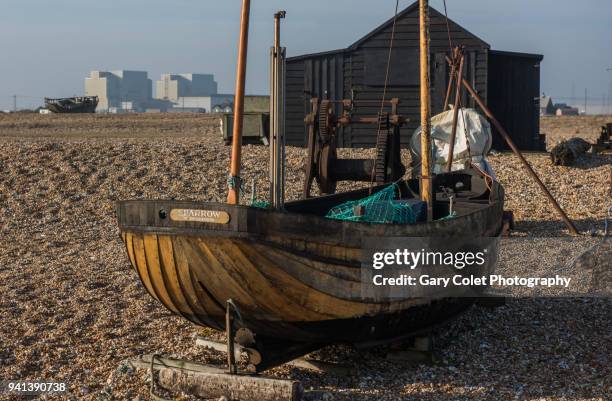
[83, 104]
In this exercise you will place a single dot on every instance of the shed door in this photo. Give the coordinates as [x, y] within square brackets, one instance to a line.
[514, 87]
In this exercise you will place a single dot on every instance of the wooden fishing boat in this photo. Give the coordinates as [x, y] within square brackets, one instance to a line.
[287, 280]
[294, 275]
[86, 104]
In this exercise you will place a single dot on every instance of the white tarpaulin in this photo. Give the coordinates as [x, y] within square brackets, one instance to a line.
[473, 139]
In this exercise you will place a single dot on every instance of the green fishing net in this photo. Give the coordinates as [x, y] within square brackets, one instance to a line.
[383, 207]
[260, 204]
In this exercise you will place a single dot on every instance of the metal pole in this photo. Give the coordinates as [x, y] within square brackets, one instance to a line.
[426, 185]
[277, 100]
[453, 138]
[585, 101]
[15, 103]
[233, 196]
[229, 335]
[449, 88]
[570, 225]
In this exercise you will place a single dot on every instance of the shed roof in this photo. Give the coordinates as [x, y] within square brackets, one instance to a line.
[537, 57]
[411, 8]
[387, 24]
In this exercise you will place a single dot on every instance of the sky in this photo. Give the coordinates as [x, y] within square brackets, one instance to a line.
[49, 47]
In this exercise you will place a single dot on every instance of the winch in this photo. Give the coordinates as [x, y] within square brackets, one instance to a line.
[323, 164]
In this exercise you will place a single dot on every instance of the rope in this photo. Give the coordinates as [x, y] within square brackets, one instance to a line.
[233, 305]
[382, 103]
[235, 183]
[459, 79]
[450, 40]
[484, 174]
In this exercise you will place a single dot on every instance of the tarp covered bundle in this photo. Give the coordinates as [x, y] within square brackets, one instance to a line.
[473, 142]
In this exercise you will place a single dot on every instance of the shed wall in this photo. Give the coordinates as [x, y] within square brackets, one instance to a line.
[514, 88]
[358, 73]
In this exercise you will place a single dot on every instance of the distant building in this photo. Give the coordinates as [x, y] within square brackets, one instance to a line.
[565, 110]
[546, 106]
[206, 103]
[131, 91]
[172, 87]
[120, 90]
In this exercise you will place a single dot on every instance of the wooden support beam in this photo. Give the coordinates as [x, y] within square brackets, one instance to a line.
[233, 387]
[210, 382]
[144, 362]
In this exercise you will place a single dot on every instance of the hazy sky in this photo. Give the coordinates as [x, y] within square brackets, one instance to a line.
[48, 47]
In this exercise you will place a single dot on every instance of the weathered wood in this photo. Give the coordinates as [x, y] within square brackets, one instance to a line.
[426, 179]
[209, 382]
[217, 346]
[321, 366]
[310, 364]
[144, 362]
[233, 387]
[294, 276]
[243, 44]
[344, 73]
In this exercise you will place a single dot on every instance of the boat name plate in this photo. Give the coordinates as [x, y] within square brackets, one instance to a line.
[200, 216]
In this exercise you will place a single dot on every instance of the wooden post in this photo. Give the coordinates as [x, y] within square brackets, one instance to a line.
[233, 387]
[570, 225]
[233, 196]
[208, 382]
[426, 187]
[453, 138]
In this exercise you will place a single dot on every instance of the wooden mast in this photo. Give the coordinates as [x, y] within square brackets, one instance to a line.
[426, 179]
[233, 196]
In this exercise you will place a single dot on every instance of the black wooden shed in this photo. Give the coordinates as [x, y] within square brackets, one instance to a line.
[508, 82]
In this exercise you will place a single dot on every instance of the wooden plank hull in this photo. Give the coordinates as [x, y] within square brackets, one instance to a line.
[294, 277]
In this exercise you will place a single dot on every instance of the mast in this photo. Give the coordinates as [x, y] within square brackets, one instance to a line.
[233, 196]
[426, 179]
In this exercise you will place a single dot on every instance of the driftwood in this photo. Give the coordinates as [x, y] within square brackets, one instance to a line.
[232, 387]
[209, 382]
[567, 152]
[310, 364]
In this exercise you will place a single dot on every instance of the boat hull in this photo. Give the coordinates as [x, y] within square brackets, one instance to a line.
[76, 105]
[294, 277]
